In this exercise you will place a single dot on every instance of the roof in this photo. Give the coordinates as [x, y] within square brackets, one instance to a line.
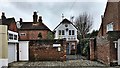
[32, 26]
[8, 21]
[64, 21]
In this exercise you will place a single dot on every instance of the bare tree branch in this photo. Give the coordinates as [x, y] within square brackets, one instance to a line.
[84, 24]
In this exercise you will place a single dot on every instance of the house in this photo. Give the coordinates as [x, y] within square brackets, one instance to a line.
[9, 39]
[30, 31]
[107, 49]
[67, 30]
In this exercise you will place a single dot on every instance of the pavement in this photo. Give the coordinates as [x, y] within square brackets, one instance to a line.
[72, 62]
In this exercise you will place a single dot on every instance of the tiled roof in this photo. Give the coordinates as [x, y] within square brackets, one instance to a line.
[8, 21]
[32, 26]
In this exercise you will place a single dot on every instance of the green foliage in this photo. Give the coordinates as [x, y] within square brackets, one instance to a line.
[84, 47]
[40, 35]
[94, 33]
[50, 35]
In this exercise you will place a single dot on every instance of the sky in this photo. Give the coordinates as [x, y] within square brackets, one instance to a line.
[52, 10]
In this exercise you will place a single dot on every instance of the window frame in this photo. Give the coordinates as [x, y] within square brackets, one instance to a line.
[63, 32]
[15, 37]
[59, 32]
[10, 36]
[109, 27]
[70, 32]
[22, 34]
[73, 32]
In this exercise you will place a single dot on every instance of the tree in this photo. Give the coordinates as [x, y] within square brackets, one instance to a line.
[94, 33]
[50, 36]
[84, 24]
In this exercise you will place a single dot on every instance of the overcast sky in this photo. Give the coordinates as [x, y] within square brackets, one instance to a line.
[51, 10]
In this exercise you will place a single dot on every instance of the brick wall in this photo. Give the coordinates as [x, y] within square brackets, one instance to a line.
[13, 27]
[111, 15]
[103, 50]
[92, 49]
[33, 34]
[106, 51]
[45, 51]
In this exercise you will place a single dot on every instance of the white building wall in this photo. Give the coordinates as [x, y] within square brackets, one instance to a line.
[62, 27]
[3, 46]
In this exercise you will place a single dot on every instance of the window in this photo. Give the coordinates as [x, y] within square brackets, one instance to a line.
[10, 36]
[22, 34]
[73, 32]
[110, 27]
[69, 32]
[15, 37]
[66, 25]
[59, 32]
[63, 33]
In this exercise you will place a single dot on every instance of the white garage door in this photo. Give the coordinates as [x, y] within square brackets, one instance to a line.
[12, 53]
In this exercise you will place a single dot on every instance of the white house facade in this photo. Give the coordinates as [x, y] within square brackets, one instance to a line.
[68, 31]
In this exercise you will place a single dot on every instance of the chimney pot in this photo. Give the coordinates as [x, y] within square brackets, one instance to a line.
[35, 17]
[40, 19]
[21, 21]
[3, 16]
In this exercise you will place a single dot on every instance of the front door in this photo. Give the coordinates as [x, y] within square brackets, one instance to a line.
[118, 52]
[23, 51]
[68, 49]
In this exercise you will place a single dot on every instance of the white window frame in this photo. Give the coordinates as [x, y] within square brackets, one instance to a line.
[21, 34]
[13, 37]
[110, 27]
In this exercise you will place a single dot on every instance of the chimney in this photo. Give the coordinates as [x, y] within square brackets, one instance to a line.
[40, 19]
[21, 21]
[3, 16]
[35, 16]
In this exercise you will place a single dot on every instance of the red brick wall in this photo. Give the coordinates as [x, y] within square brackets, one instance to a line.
[110, 15]
[92, 49]
[103, 50]
[47, 52]
[13, 27]
[33, 34]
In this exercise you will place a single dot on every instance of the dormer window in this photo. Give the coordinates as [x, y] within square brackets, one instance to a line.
[110, 27]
